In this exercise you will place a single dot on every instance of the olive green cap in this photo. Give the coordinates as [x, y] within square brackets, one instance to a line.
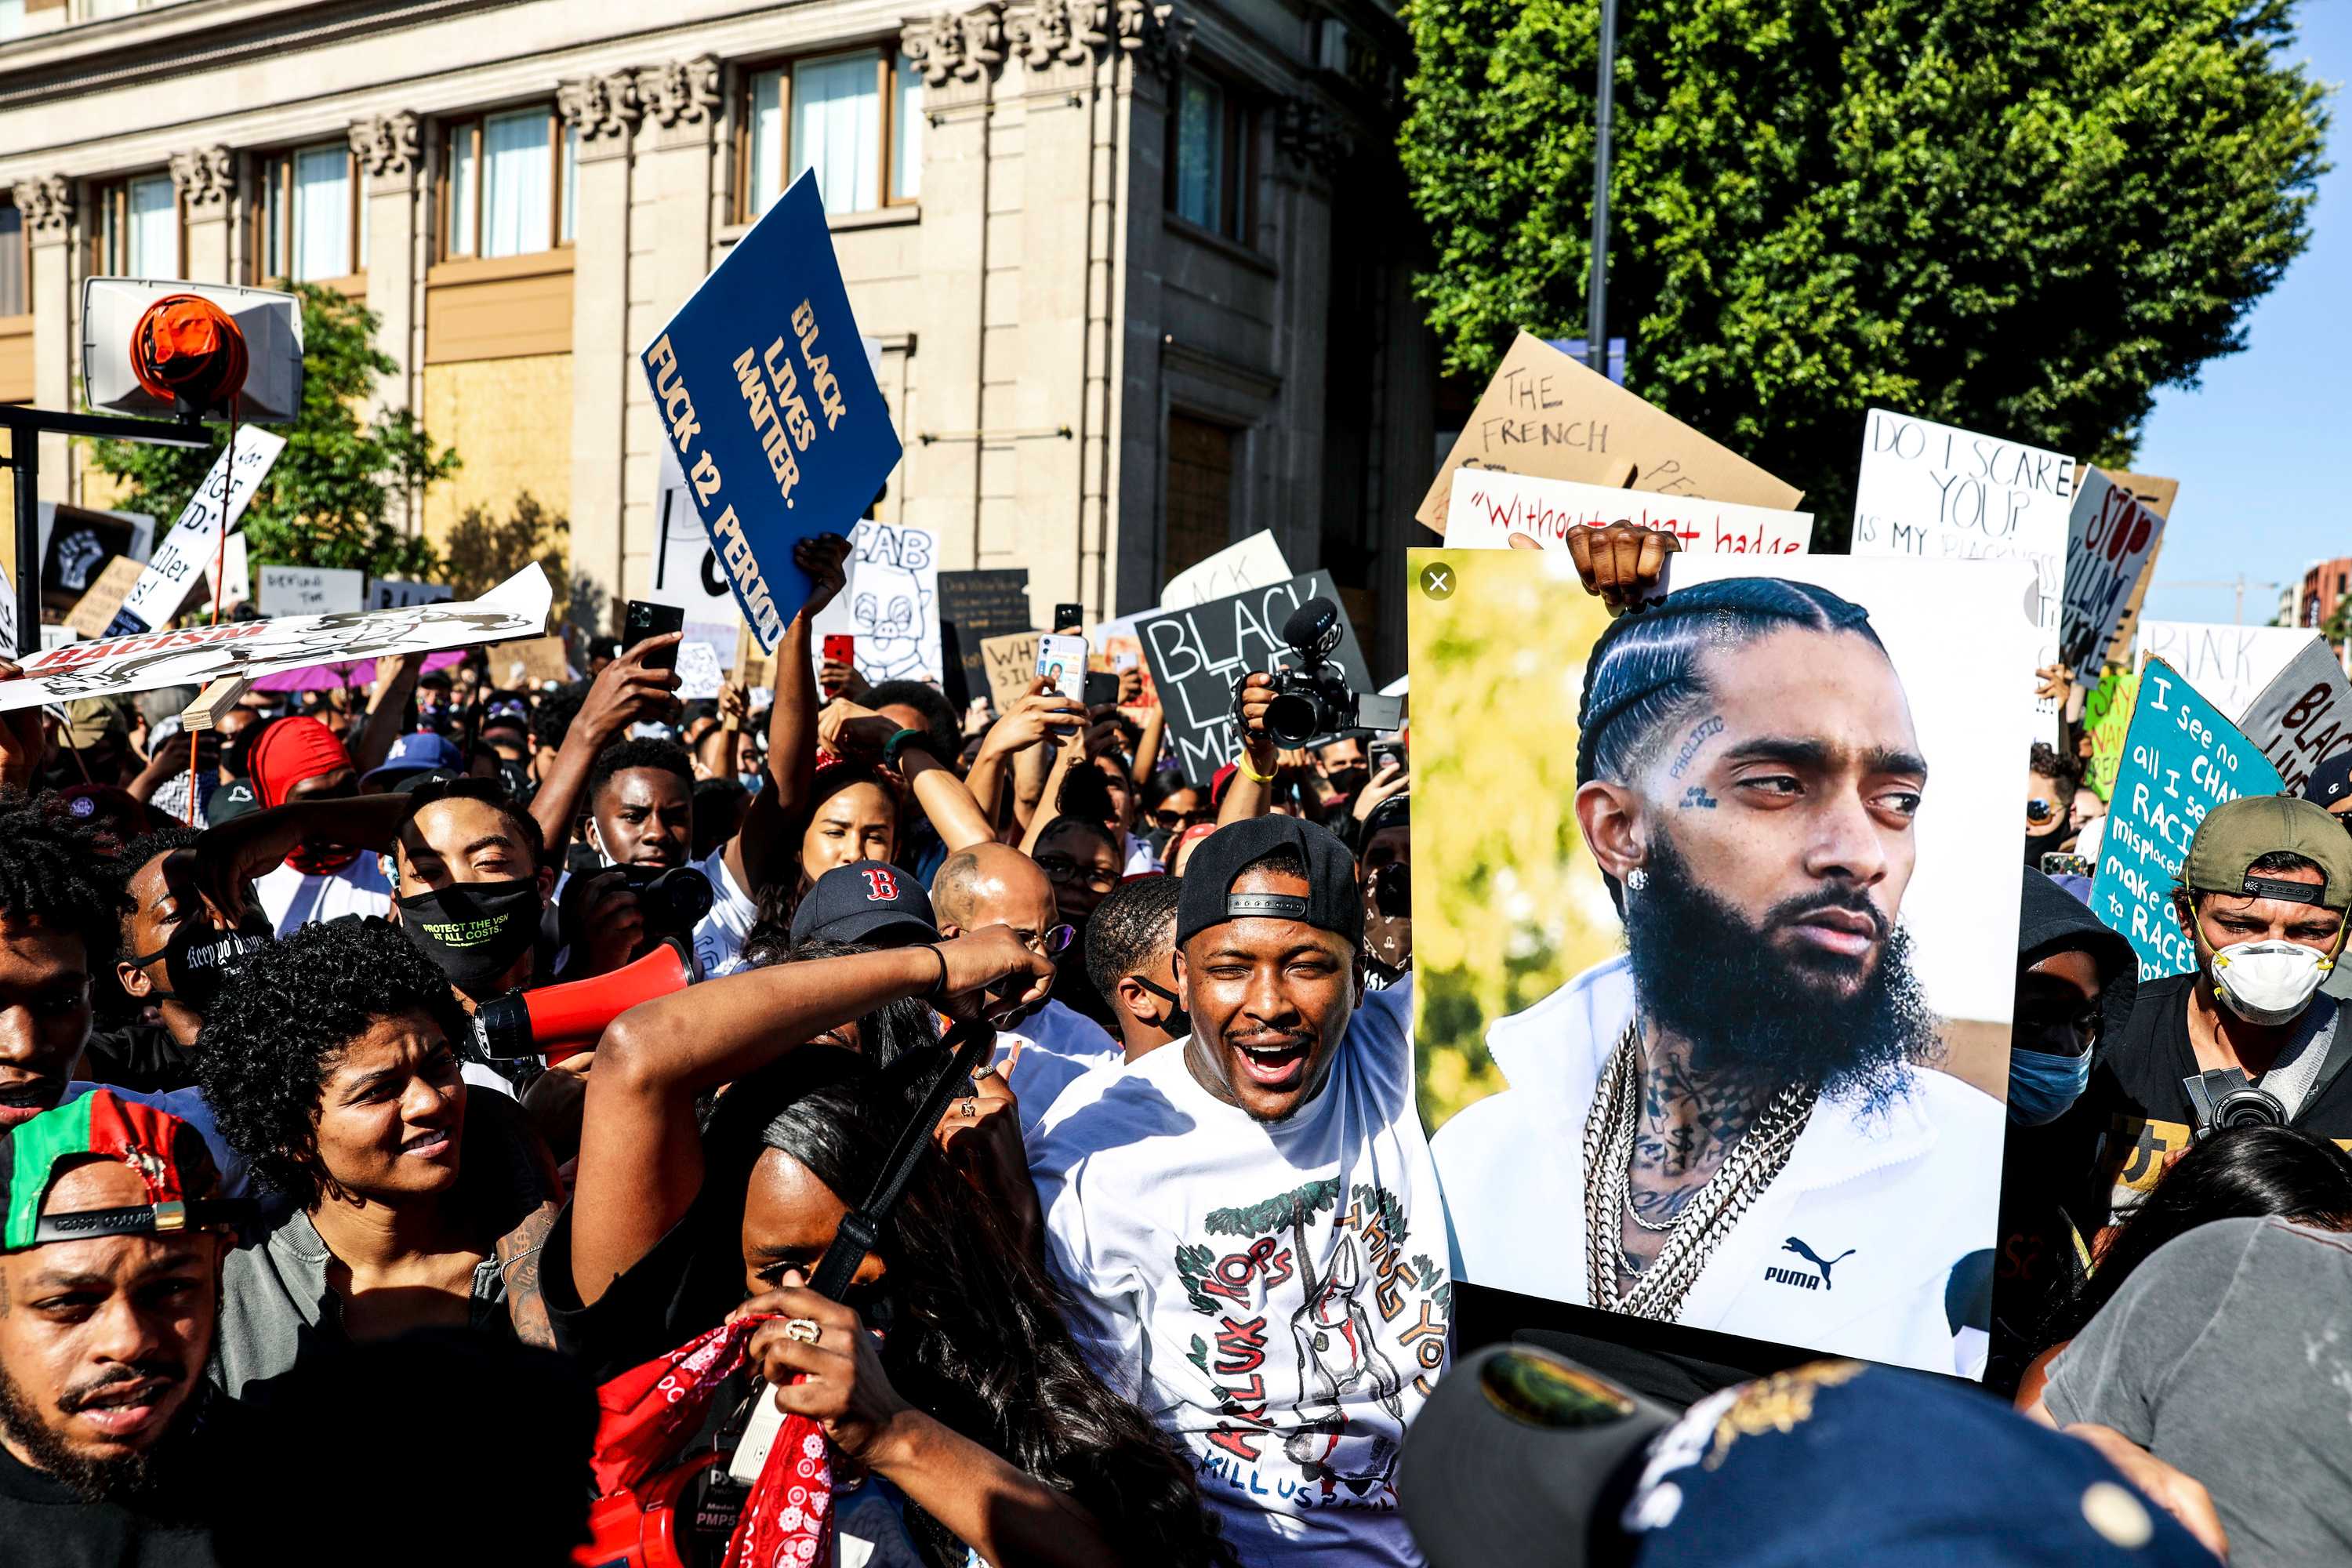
[2236, 834]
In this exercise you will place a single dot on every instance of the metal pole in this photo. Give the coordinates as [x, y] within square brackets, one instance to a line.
[1596, 330]
[25, 460]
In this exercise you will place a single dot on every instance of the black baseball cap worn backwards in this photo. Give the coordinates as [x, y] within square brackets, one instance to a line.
[1332, 902]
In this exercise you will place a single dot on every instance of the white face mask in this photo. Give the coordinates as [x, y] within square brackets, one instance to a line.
[2268, 982]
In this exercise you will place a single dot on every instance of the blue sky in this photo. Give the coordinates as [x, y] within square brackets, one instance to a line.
[2263, 447]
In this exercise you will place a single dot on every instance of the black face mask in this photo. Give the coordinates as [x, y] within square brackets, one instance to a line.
[1349, 780]
[516, 776]
[474, 931]
[198, 960]
[1179, 1022]
[2039, 844]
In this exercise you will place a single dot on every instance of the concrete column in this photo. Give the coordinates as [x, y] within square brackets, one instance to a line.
[385, 149]
[1060, 56]
[48, 206]
[1308, 146]
[205, 178]
[603, 111]
[958, 56]
[1152, 42]
[676, 176]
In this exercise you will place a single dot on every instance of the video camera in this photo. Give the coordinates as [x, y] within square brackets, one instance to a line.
[1315, 699]
[674, 900]
[2225, 1098]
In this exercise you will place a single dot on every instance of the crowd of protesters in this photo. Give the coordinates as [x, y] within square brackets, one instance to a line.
[289, 1235]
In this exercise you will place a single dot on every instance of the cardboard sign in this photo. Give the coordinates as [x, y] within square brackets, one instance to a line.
[76, 542]
[311, 590]
[2302, 717]
[1936, 492]
[2181, 759]
[237, 566]
[1548, 414]
[891, 604]
[2228, 664]
[2107, 716]
[1254, 562]
[190, 549]
[98, 608]
[2110, 540]
[1497, 511]
[112, 666]
[973, 607]
[529, 661]
[698, 675]
[2157, 494]
[773, 408]
[1198, 653]
[1011, 663]
[392, 594]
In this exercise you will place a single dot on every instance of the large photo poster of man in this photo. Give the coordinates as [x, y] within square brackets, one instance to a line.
[1715, 921]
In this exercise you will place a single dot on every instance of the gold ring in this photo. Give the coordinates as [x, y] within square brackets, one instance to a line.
[807, 1330]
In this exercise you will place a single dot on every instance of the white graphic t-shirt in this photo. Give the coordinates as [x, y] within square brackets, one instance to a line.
[1276, 1296]
[292, 897]
[1047, 1054]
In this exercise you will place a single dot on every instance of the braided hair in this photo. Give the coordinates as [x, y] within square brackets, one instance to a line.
[1645, 668]
[57, 873]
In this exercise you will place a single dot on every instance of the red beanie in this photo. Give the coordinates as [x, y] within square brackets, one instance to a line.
[290, 751]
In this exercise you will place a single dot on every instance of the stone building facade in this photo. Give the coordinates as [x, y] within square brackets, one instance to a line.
[1139, 270]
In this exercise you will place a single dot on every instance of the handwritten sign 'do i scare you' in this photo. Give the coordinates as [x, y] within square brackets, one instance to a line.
[771, 405]
[1198, 653]
[2181, 759]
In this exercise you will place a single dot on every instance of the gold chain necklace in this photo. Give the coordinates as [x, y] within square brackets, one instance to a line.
[1693, 1233]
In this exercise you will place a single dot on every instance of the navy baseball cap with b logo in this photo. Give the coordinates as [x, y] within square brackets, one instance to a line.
[868, 902]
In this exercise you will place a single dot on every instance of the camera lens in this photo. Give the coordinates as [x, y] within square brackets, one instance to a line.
[2250, 1108]
[1294, 718]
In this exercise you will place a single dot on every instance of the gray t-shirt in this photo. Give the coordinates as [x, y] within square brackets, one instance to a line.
[2229, 1354]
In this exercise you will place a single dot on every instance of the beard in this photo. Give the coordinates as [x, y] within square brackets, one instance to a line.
[126, 1476]
[1764, 1020]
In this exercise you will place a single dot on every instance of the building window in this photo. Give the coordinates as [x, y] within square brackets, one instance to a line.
[15, 261]
[855, 119]
[1199, 492]
[139, 232]
[1208, 166]
[310, 215]
[507, 184]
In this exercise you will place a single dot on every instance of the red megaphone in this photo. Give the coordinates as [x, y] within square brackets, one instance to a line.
[559, 1021]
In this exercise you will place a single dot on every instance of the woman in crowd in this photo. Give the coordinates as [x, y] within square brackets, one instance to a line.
[974, 1403]
[2245, 1172]
[330, 1066]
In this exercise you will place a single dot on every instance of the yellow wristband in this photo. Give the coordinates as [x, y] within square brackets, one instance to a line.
[1241, 761]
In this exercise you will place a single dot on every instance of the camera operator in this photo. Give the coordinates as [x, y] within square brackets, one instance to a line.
[2263, 898]
[1284, 1127]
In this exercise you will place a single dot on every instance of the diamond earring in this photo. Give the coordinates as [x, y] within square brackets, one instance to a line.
[1637, 880]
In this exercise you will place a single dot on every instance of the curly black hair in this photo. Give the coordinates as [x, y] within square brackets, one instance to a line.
[939, 718]
[56, 873]
[550, 719]
[662, 756]
[282, 1022]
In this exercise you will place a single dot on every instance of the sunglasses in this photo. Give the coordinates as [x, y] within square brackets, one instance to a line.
[1064, 869]
[1051, 942]
[2040, 810]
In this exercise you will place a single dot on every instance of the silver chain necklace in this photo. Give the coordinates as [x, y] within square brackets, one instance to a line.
[1693, 1234]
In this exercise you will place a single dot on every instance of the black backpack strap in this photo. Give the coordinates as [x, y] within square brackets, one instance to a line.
[972, 1044]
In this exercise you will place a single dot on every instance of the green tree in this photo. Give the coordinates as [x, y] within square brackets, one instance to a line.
[325, 501]
[482, 551]
[2017, 216]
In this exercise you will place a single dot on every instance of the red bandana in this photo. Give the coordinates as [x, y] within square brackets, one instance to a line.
[287, 752]
[644, 1415]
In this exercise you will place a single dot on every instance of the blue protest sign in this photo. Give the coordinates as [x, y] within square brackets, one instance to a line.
[771, 407]
[2181, 759]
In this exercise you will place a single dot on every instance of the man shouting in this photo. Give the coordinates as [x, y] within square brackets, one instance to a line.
[1734, 1125]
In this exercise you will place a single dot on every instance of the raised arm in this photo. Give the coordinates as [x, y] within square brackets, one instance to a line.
[640, 1147]
[1250, 791]
[1069, 754]
[1038, 713]
[628, 690]
[395, 678]
[1147, 750]
[778, 816]
[227, 858]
